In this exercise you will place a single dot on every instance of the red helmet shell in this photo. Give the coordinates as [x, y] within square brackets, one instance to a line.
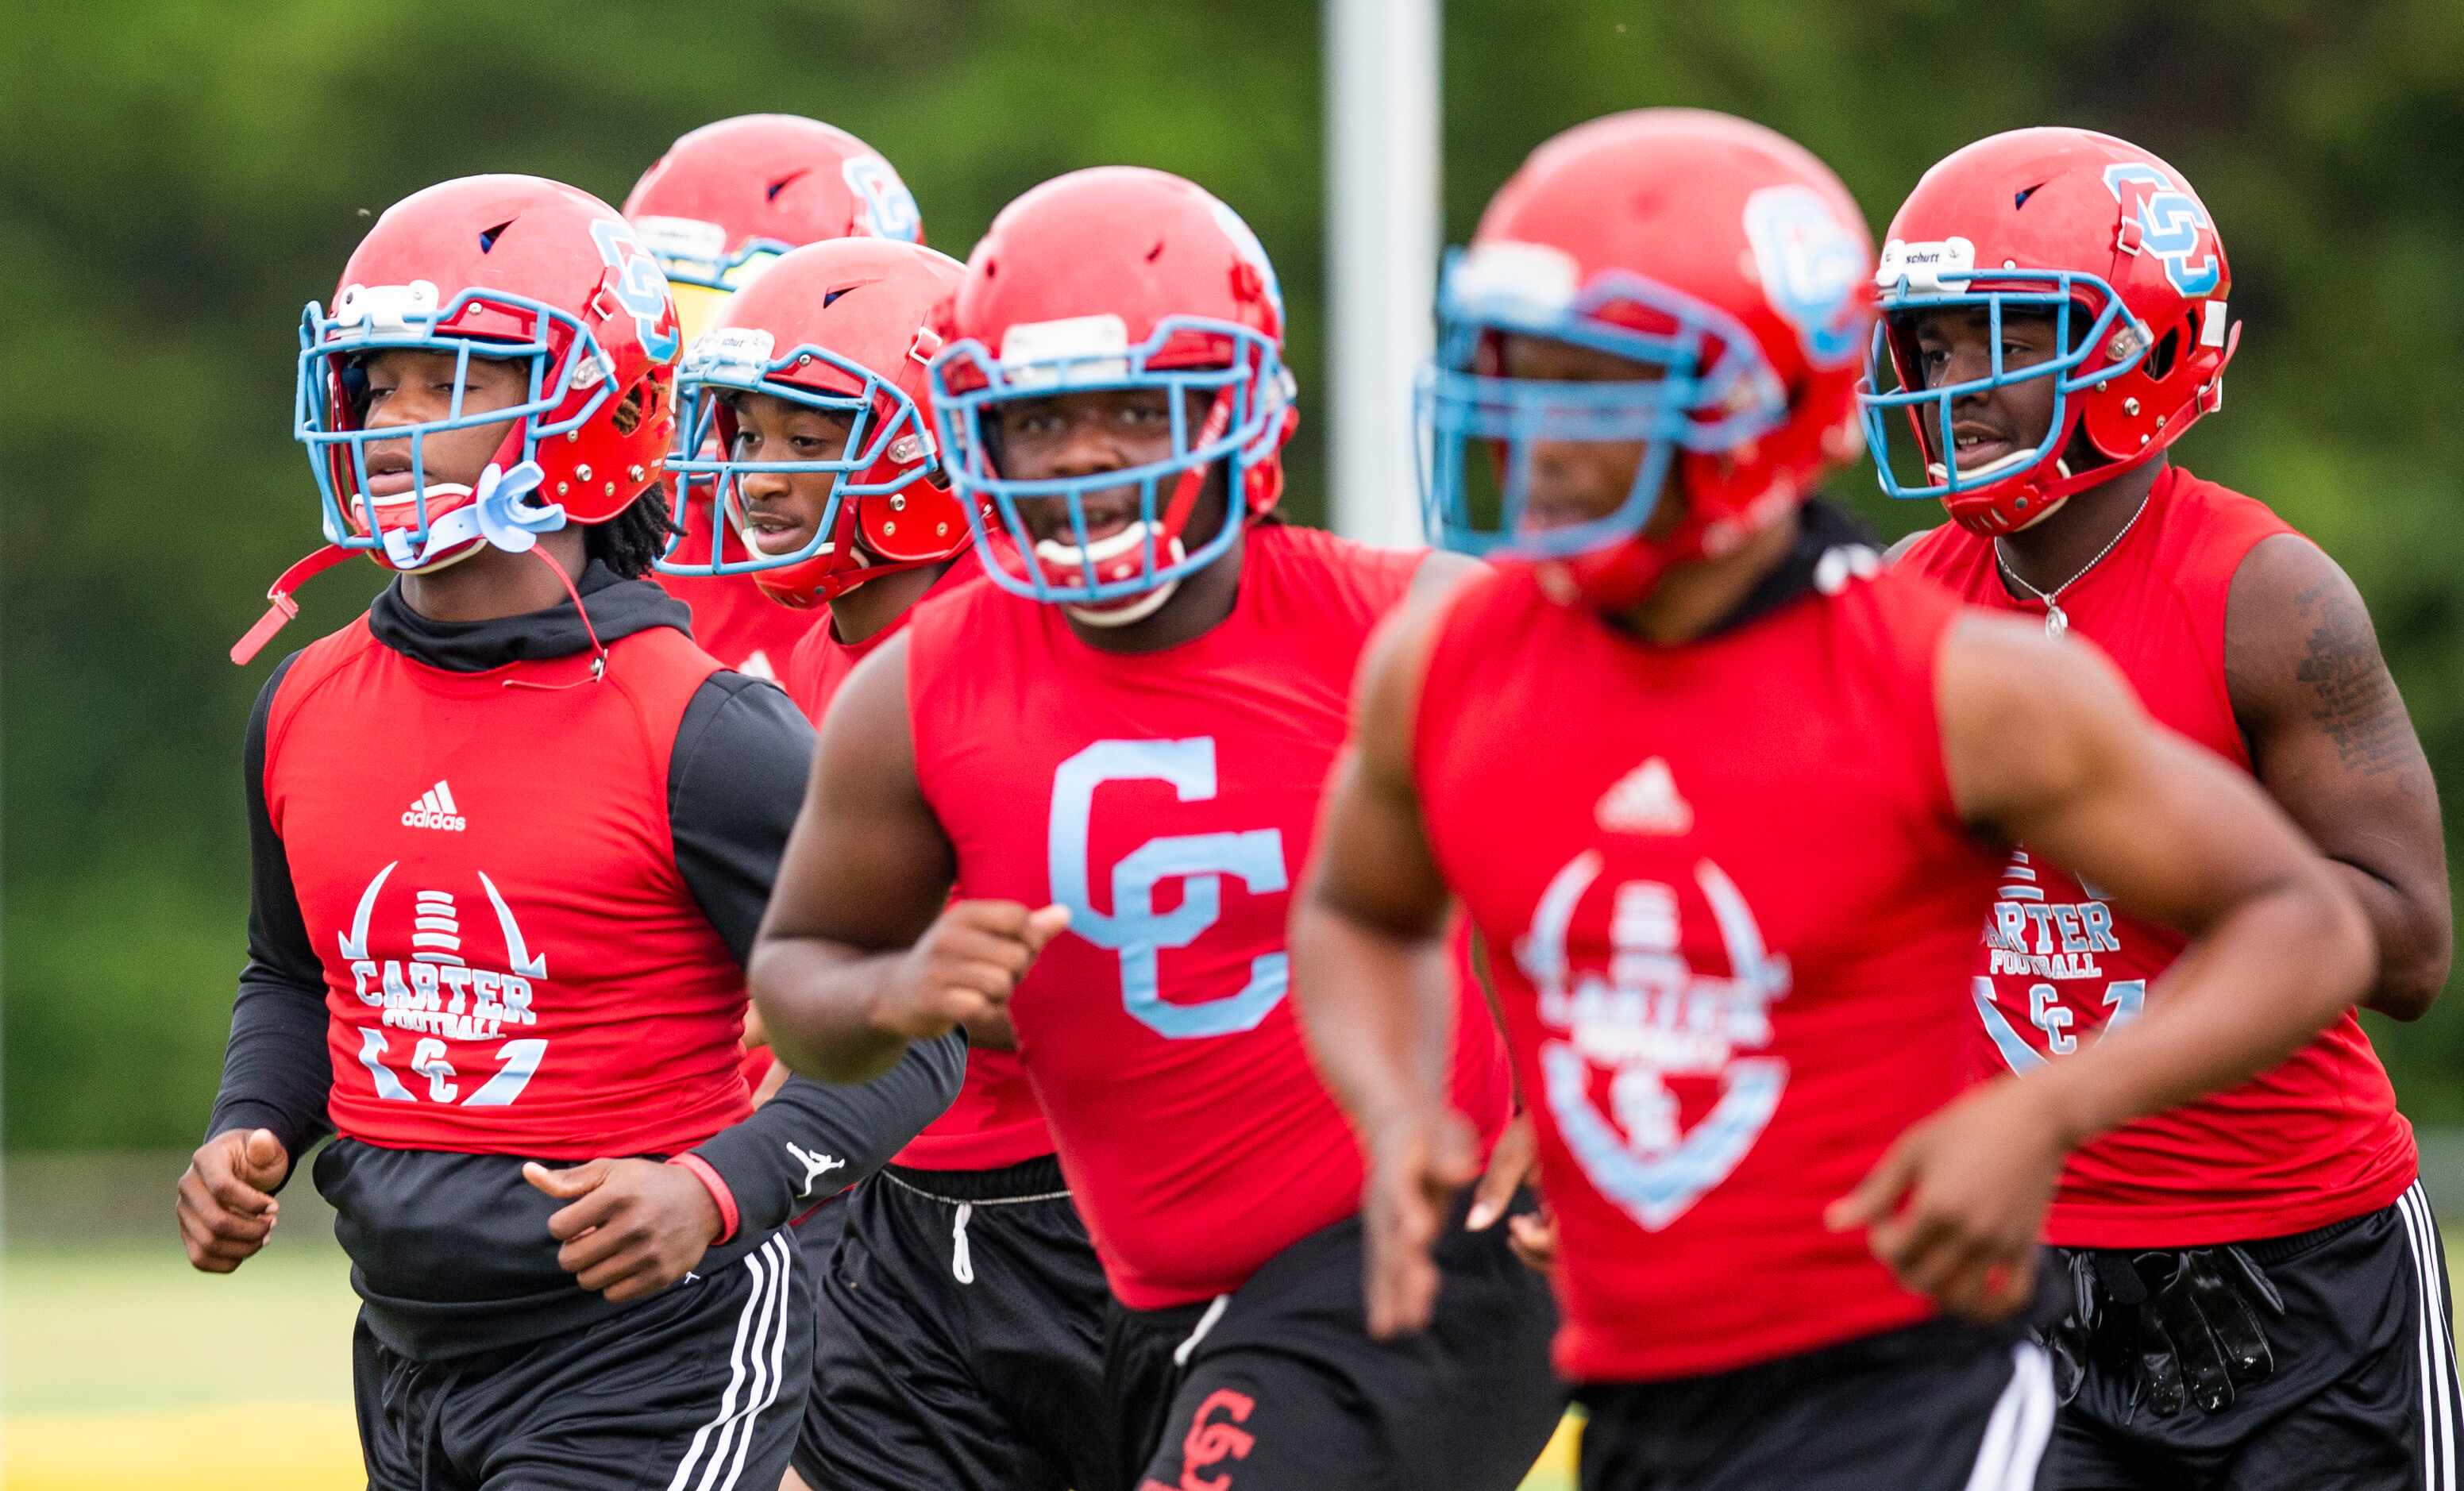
[872, 303]
[769, 181]
[500, 260]
[1737, 218]
[1127, 242]
[2061, 199]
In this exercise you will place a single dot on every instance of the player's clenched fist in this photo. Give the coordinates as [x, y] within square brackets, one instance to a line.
[1955, 1207]
[964, 966]
[227, 1207]
[630, 1227]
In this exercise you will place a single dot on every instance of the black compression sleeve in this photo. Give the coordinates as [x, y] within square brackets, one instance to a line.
[814, 1137]
[734, 784]
[275, 1071]
[742, 752]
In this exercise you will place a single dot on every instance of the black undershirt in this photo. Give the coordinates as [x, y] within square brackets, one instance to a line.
[736, 779]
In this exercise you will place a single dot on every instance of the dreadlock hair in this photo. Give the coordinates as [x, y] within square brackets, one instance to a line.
[633, 539]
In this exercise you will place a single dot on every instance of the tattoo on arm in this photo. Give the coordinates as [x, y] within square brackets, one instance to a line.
[2353, 698]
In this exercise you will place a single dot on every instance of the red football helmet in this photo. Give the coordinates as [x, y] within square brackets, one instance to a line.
[842, 327]
[1117, 277]
[1721, 255]
[729, 198]
[2116, 246]
[512, 267]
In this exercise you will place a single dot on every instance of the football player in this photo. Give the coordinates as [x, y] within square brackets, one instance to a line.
[1113, 752]
[2260, 1285]
[961, 1335]
[1730, 801]
[511, 833]
[718, 210]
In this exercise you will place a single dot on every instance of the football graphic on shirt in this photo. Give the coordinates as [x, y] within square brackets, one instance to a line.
[1663, 1032]
[439, 999]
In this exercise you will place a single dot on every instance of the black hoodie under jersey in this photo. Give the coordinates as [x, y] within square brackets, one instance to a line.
[451, 1251]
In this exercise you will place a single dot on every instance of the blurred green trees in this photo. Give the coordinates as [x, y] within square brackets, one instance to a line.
[182, 175]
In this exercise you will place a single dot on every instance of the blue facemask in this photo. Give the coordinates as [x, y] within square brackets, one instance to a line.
[1481, 427]
[1250, 393]
[2064, 294]
[736, 361]
[379, 319]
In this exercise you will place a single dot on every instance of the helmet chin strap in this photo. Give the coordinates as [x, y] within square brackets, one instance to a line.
[598, 649]
[1071, 560]
[1067, 557]
[497, 516]
[1136, 610]
[1999, 466]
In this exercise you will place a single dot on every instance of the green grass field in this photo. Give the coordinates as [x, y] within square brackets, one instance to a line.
[125, 1368]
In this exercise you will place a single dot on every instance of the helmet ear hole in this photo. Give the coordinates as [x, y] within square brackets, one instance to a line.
[2160, 357]
[353, 376]
[626, 416]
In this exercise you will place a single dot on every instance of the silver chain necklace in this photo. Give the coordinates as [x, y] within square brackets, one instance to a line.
[2055, 622]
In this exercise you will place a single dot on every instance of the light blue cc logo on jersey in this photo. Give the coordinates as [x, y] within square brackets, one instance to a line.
[1135, 929]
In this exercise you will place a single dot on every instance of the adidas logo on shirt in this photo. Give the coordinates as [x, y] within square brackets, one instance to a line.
[1645, 800]
[435, 809]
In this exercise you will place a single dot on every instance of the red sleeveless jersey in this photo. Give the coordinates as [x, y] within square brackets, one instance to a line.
[2315, 1141]
[994, 1121]
[1167, 800]
[513, 963]
[732, 620]
[1732, 907]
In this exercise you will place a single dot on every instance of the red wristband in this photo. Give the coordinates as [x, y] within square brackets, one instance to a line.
[719, 1192]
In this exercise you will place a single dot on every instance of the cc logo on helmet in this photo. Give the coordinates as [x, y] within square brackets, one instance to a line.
[1811, 269]
[889, 208]
[641, 287]
[2167, 221]
[1252, 252]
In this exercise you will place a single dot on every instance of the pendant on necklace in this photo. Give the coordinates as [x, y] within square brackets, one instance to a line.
[2055, 623]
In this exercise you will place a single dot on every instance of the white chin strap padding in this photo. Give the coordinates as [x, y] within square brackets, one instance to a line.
[1069, 559]
[1136, 608]
[752, 538]
[2000, 465]
[449, 537]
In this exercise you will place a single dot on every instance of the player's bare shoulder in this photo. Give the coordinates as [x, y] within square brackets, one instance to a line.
[1904, 545]
[2299, 641]
[867, 742]
[1440, 575]
[1386, 698]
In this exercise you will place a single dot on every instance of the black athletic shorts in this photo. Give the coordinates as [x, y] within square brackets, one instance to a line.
[699, 1386]
[1277, 1387]
[959, 1337]
[1941, 1406]
[2361, 1396]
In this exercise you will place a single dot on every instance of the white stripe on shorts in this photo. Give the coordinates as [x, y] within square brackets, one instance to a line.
[2022, 1424]
[774, 1332]
[760, 1335]
[2433, 1343]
